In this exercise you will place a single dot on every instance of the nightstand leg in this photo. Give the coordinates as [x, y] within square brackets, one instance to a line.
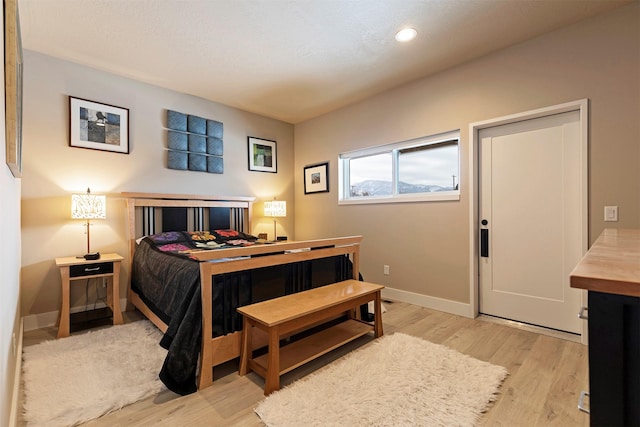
[63, 328]
[115, 295]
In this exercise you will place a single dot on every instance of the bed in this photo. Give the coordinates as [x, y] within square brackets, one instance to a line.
[191, 292]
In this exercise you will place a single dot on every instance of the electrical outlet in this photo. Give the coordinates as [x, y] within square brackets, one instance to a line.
[611, 213]
[386, 270]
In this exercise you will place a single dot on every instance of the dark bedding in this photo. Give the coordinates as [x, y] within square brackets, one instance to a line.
[167, 279]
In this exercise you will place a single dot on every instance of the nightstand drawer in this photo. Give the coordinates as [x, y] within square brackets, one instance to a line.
[90, 269]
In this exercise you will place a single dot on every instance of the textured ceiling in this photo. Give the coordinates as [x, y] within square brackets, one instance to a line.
[287, 59]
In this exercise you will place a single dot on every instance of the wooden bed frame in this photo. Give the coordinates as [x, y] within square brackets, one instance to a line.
[215, 351]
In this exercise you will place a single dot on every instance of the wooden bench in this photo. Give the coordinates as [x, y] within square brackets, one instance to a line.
[290, 314]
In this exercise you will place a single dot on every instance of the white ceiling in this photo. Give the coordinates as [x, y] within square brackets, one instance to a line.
[287, 59]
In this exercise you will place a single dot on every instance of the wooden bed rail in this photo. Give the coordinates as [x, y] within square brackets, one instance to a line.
[262, 249]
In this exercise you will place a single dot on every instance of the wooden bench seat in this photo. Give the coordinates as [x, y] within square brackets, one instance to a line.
[284, 316]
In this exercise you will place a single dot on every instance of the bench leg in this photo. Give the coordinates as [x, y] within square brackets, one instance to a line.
[377, 327]
[245, 351]
[272, 379]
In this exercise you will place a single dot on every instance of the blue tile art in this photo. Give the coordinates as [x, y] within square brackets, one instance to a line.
[197, 162]
[177, 141]
[177, 160]
[194, 143]
[215, 129]
[215, 164]
[197, 143]
[176, 121]
[197, 125]
[214, 146]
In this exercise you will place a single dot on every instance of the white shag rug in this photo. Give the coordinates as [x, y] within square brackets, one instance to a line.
[76, 379]
[398, 380]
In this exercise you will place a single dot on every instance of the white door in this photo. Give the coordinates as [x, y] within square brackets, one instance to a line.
[531, 220]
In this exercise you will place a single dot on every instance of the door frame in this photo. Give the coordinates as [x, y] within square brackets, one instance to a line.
[582, 106]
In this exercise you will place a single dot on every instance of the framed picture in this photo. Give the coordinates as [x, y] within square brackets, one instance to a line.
[13, 87]
[98, 126]
[262, 155]
[316, 178]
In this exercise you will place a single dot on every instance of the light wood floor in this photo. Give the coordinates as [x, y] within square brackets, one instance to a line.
[546, 375]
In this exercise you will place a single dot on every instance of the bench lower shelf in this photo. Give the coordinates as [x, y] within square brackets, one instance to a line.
[309, 348]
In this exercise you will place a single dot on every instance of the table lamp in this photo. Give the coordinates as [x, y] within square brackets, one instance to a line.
[89, 206]
[275, 209]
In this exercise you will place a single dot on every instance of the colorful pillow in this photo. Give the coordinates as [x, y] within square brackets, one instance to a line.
[174, 247]
[201, 236]
[167, 237]
[228, 236]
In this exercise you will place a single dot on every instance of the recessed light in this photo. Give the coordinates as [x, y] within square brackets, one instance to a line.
[406, 35]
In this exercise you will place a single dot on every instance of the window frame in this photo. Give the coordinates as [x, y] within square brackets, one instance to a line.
[394, 149]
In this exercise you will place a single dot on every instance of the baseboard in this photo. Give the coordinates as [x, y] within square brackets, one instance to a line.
[440, 304]
[15, 397]
[44, 320]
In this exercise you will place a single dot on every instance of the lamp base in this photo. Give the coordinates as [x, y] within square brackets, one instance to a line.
[91, 257]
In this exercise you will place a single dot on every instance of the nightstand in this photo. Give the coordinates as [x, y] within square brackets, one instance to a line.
[72, 268]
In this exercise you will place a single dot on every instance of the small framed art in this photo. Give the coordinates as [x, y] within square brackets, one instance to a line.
[98, 126]
[262, 155]
[316, 178]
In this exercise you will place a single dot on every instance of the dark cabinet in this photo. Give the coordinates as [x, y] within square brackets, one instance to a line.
[614, 359]
[610, 272]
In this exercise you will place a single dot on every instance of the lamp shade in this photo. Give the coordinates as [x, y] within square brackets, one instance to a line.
[275, 208]
[88, 206]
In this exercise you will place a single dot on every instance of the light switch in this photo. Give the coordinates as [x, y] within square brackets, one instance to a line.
[611, 213]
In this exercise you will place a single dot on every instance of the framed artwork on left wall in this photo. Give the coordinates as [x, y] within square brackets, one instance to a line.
[98, 126]
[13, 87]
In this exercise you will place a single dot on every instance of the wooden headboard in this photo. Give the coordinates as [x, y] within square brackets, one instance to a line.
[151, 213]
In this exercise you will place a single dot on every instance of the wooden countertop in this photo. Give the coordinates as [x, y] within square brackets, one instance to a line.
[612, 264]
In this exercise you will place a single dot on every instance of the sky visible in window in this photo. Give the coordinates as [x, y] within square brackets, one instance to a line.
[430, 167]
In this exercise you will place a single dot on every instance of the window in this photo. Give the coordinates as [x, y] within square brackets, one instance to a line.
[421, 169]
[370, 175]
